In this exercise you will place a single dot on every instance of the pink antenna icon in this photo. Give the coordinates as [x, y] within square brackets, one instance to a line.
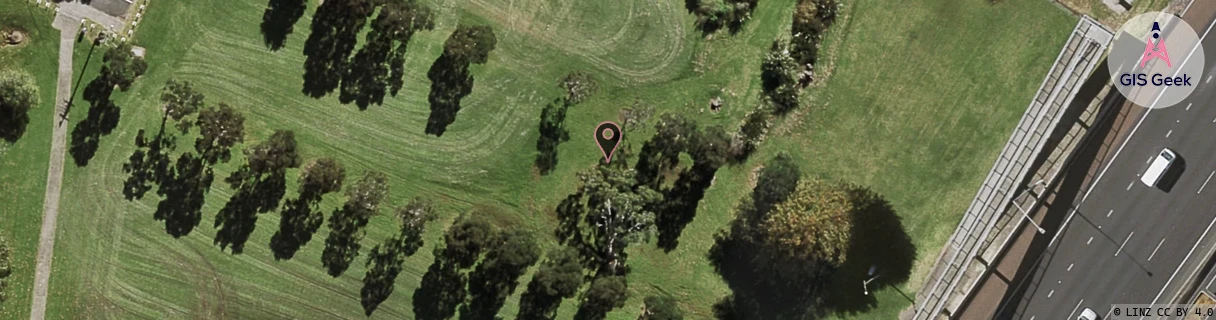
[1155, 50]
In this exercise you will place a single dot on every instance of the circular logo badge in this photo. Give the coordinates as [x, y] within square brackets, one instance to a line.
[1156, 60]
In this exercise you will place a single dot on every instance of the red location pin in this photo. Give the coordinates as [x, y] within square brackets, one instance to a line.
[608, 137]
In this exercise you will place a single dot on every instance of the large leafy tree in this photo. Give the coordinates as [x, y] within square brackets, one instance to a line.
[347, 223]
[18, 94]
[386, 259]
[121, 66]
[605, 294]
[614, 211]
[221, 128]
[178, 100]
[559, 277]
[812, 225]
[496, 276]
[779, 75]
[301, 217]
[443, 286]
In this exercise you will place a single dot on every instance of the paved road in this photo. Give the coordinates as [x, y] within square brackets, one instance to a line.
[68, 27]
[1126, 242]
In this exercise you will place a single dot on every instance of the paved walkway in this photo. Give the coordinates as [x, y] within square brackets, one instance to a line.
[68, 25]
[77, 10]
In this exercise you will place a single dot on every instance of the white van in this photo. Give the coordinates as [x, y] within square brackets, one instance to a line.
[1158, 167]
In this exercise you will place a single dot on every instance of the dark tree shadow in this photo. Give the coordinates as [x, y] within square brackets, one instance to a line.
[279, 19]
[441, 291]
[450, 82]
[298, 223]
[552, 134]
[101, 120]
[13, 124]
[184, 192]
[680, 204]
[365, 81]
[149, 164]
[756, 293]
[335, 29]
[536, 304]
[236, 221]
[384, 265]
[877, 240]
[489, 289]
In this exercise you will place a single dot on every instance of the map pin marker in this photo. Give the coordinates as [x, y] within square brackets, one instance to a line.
[607, 136]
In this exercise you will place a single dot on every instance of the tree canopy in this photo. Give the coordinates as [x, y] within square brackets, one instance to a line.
[220, 128]
[450, 77]
[605, 294]
[559, 277]
[300, 218]
[18, 94]
[120, 66]
[385, 261]
[347, 223]
[178, 100]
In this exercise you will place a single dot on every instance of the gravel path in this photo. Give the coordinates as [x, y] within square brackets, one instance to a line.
[68, 26]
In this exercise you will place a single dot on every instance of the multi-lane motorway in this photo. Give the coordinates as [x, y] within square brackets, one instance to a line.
[1126, 242]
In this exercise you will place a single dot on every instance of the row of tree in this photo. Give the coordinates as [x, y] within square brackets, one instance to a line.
[478, 261]
[378, 67]
[259, 186]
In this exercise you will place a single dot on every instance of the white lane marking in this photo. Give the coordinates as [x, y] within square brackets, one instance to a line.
[1091, 239]
[1069, 267]
[1129, 185]
[1150, 257]
[1188, 254]
[1107, 316]
[1150, 159]
[1205, 182]
[1209, 79]
[1073, 212]
[1167, 134]
[1210, 283]
[1188, 105]
[1129, 237]
[1146, 112]
[1051, 293]
[1110, 212]
[1074, 309]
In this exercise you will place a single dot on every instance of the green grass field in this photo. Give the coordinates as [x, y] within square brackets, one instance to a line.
[23, 164]
[921, 98]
